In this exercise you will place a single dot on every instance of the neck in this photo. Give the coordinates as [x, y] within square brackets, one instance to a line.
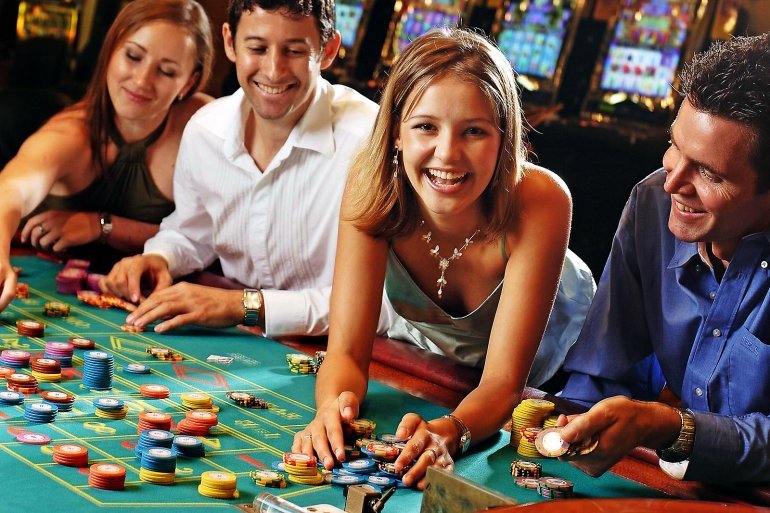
[454, 227]
[136, 130]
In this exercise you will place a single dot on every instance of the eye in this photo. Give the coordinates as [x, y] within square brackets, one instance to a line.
[708, 175]
[168, 72]
[257, 50]
[474, 130]
[132, 56]
[425, 127]
[297, 52]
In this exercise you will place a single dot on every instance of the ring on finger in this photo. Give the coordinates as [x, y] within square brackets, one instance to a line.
[42, 229]
[307, 437]
[433, 452]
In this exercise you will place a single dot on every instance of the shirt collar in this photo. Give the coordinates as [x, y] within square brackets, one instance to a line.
[686, 251]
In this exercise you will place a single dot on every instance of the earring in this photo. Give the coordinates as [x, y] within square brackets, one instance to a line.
[180, 97]
[395, 162]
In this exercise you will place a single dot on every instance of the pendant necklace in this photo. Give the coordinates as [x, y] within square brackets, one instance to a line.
[443, 263]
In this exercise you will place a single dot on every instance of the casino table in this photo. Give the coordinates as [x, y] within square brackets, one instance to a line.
[245, 438]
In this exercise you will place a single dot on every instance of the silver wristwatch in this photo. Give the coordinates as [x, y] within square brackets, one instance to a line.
[105, 226]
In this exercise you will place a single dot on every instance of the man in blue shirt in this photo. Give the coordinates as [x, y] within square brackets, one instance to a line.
[684, 300]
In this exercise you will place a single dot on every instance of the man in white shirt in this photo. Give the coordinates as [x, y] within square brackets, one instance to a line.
[258, 183]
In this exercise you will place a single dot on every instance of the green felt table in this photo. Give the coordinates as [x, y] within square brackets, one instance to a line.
[245, 438]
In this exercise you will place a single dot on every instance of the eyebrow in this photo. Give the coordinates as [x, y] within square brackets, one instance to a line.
[698, 163]
[470, 120]
[164, 59]
[288, 41]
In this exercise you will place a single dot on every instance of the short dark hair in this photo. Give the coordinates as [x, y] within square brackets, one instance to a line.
[732, 80]
[321, 10]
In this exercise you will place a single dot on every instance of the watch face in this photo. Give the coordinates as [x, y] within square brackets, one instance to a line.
[252, 301]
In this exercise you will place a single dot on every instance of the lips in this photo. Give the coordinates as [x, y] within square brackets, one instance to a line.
[136, 97]
[684, 208]
[441, 177]
[272, 89]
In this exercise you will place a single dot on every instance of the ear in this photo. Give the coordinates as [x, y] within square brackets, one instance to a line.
[227, 36]
[184, 93]
[330, 50]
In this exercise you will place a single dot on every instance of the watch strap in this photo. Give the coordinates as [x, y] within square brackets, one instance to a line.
[251, 311]
[465, 434]
[681, 449]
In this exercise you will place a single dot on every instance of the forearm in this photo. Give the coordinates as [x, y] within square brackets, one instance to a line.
[485, 410]
[341, 374]
[128, 235]
[9, 223]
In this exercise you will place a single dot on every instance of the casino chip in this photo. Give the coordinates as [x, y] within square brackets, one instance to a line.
[22, 290]
[247, 400]
[28, 328]
[107, 476]
[268, 478]
[529, 413]
[56, 309]
[70, 455]
[218, 485]
[27, 437]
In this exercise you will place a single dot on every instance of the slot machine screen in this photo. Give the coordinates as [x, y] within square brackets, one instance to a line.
[646, 47]
[347, 14]
[42, 19]
[533, 33]
[420, 18]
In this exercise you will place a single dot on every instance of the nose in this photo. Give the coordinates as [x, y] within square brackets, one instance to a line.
[447, 147]
[143, 76]
[273, 64]
[676, 171]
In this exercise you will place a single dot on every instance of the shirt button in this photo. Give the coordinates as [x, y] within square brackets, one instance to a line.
[716, 332]
[712, 294]
[698, 392]
[697, 267]
[763, 265]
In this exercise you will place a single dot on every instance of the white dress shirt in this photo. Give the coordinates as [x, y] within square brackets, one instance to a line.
[274, 230]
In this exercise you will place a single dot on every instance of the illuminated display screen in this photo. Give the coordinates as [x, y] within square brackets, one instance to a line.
[532, 35]
[347, 14]
[646, 47]
[418, 20]
[40, 19]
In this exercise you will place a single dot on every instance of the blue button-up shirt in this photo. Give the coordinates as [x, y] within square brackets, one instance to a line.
[660, 316]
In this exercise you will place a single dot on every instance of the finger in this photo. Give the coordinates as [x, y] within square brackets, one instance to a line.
[425, 460]
[153, 309]
[348, 403]
[333, 439]
[174, 322]
[580, 427]
[408, 425]
[413, 451]
[164, 281]
[9, 290]
[133, 278]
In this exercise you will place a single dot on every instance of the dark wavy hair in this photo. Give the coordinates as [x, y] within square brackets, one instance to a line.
[186, 13]
[732, 80]
[321, 10]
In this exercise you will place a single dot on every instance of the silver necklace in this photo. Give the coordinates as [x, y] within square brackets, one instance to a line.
[443, 263]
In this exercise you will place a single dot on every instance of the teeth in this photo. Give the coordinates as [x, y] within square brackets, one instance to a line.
[684, 208]
[272, 90]
[444, 175]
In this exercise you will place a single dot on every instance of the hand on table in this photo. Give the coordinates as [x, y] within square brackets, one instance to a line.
[324, 434]
[619, 424]
[185, 303]
[125, 278]
[57, 230]
[427, 446]
[8, 282]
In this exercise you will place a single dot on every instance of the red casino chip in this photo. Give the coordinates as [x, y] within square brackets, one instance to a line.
[153, 420]
[55, 396]
[130, 328]
[22, 290]
[6, 371]
[154, 391]
[299, 460]
[29, 328]
[82, 343]
[70, 455]
[107, 476]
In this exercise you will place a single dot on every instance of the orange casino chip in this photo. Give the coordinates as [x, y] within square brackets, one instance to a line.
[131, 328]
[153, 420]
[107, 476]
[70, 455]
[22, 290]
[6, 371]
[82, 343]
[29, 328]
[154, 391]
[299, 460]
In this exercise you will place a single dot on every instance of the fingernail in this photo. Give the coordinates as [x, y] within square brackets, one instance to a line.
[347, 412]
[329, 462]
[340, 454]
[130, 319]
[134, 298]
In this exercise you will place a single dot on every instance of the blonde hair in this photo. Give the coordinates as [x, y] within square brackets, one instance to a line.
[386, 206]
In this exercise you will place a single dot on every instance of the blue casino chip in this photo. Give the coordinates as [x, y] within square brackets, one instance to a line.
[360, 466]
[347, 480]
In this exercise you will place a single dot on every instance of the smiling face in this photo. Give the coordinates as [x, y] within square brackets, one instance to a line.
[278, 58]
[712, 182]
[449, 154]
[149, 70]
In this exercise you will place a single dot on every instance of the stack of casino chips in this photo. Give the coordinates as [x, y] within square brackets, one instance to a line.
[381, 451]
[152, 438]
[6, 371]
[23, 383]
[22, 290]
[70, 455]
[61, 351]
[197, 423]
[152, 391]
[70, 280]
[40, 413]
[110, 408]
[28, 328]
[93, 298]
[268, 478]
[98, 370]
[247, 400]
[555, 488]
[77, 263]
[527, 447]
[187, 446]
[198, 401]
[27, 437]
[521, 469]
[301, 363]
[302, 469]
[158, 466]
[9, 398]
[62, 400]
[362, 428]
[15, 358]
[164, 353]
[319, 358]
[82, 343]
[92, 281]
[107, 476]
[218, 485]
[153, 420]
[529, 413]
[46, 370]
[56, 309]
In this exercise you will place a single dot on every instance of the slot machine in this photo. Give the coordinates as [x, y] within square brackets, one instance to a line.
[351, 18]
[635, 78]
[48, 18]
[536, 36]
[413, 19]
